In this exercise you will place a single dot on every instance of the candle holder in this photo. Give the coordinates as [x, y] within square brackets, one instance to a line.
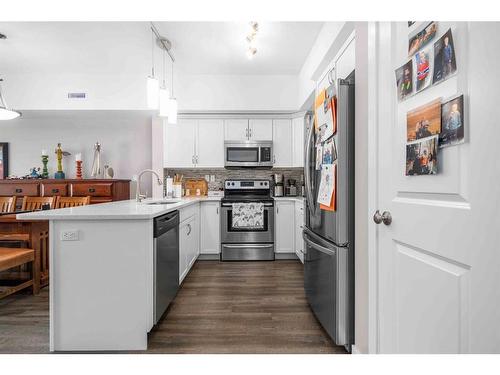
[79, 169]
[45, 171]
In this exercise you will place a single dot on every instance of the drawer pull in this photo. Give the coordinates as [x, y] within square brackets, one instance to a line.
[55, 190]
[18, 190]
[91, 190]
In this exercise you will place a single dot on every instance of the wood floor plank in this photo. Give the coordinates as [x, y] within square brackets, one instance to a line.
[242, 307]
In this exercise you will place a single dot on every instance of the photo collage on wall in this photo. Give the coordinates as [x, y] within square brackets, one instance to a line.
[439, 123]
[325, 123]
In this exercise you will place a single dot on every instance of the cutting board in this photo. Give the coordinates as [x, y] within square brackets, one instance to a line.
[193, 184]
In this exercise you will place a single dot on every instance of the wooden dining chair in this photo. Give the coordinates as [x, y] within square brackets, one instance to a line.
[63, 202]
[36, 203]
[11, 258]
[7, 204]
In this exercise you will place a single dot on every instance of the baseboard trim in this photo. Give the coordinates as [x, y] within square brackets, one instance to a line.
[281, 256]
[209, 257]
[355, 350]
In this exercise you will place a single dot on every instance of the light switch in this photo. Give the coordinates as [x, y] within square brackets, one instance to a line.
[69, 235]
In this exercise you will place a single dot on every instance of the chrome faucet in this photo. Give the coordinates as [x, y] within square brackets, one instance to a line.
[138, 196]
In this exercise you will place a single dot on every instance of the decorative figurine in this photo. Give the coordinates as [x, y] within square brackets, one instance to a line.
[96, 165]
[60, 153]
[45, 160]
[108, 172]
[34, 173]
[78, 159]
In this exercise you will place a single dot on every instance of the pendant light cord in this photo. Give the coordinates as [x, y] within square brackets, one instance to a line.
[152, 55]
[172, 79]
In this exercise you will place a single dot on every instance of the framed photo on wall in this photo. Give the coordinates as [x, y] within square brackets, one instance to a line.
[4, 160]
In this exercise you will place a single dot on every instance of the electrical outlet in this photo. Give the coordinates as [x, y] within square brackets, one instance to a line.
[69, 235]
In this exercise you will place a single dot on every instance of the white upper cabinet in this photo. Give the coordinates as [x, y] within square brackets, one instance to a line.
[179, 143]
[236, 130]
[210, 144]
[282, 142]
[194, 143]
[298, 142]
[260, 129]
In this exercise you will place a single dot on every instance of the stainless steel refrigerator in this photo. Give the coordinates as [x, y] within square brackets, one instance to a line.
[329, 235]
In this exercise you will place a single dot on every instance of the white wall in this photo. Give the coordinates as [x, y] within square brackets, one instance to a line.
[125, 138]
[236, 92]
[49, 91]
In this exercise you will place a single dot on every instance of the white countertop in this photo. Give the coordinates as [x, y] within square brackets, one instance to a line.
[121, 210]
[294, 199]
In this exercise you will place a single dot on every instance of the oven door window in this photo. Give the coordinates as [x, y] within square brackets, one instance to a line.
[243, 154]
[229, 223]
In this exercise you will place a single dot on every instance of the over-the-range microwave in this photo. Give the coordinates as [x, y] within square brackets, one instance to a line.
[245, 154]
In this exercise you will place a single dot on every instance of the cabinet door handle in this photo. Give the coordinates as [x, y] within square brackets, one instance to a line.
[91, 190]
[19, 190]
[274, 159]
[277, 210]
[251, 131]
[217, 210]
[189, 227]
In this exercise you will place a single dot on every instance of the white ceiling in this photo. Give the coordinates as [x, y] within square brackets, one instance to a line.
[125, 47]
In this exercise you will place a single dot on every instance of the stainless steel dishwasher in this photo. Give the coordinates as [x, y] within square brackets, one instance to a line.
[166, 261]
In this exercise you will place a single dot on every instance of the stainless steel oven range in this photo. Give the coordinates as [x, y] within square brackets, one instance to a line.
[252, 242]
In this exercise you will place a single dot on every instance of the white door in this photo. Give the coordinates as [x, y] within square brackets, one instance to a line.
[284, 226]
[439, 259]
[210, 144]
[179, 143]
[298, 128]
[210, 228]
[282, 143]
[236, 130]
[261, 129]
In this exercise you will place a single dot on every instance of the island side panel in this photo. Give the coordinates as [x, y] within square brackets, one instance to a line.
[101, 285]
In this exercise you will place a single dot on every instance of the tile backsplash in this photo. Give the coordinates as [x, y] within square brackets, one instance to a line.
[222, 174]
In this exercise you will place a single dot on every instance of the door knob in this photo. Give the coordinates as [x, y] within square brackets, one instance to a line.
[385, 217]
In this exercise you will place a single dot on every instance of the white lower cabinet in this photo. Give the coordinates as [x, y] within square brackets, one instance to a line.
[189, 243]
[299, 226]
[284, 226]
[210, 227]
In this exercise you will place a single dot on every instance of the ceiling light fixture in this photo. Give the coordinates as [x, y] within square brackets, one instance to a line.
[251, 37]
[5, 112]
[166, 104]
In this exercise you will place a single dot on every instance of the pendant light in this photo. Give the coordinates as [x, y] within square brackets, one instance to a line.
[172, 105]
[164, 101]
[152, 83]
[5, 112]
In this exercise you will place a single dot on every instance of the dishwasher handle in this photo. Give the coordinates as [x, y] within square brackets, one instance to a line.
[164, 223]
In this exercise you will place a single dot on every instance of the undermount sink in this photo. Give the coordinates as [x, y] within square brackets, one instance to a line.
[170, 201]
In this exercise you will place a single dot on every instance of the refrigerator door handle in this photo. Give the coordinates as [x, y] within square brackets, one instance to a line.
[307, 169]
[316, 246]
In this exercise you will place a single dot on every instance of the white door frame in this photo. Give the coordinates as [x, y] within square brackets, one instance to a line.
[372, 128]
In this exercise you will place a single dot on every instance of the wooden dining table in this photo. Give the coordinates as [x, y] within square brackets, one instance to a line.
[37, 237]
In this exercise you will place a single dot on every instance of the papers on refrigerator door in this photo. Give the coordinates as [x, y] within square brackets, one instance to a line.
[325, 115]
[319, 156]
[332, 206]
[329, 151]
[326, 185]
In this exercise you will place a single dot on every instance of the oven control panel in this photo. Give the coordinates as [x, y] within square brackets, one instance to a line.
[246, 184]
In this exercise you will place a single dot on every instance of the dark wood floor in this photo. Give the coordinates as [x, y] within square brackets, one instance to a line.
[251, 307]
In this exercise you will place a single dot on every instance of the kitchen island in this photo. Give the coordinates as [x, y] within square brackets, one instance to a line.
[102, 272]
